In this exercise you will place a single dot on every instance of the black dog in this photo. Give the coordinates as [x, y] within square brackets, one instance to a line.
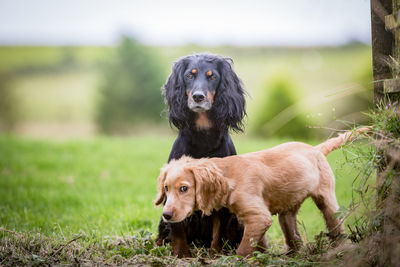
[205, 99]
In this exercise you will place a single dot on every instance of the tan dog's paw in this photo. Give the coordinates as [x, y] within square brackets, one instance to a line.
[244, 251]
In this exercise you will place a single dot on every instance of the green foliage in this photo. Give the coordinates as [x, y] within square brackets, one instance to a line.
[377, 215]
[386, 118]
[277, 113]
[130, 92]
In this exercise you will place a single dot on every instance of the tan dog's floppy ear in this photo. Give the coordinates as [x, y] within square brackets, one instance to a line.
[211, 186]
[161, 191]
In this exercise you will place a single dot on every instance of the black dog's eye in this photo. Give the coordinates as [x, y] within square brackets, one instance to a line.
[166, 188]
[183, 189]
[213, 77]
[189, 76]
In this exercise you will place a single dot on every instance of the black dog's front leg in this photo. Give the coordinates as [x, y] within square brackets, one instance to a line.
[174, 233]
[178, 238]
[164, 231]
[229, 145]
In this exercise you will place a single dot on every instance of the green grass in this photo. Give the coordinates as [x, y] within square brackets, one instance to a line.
[102, 189]
[106, 185]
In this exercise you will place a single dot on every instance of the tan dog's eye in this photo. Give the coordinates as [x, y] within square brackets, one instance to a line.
[166, 188]
[183, 189]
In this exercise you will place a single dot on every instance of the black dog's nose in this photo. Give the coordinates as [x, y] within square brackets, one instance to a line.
[167, 215]
[198, 97]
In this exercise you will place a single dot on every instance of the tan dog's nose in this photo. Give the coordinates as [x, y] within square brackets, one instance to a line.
[167, 215]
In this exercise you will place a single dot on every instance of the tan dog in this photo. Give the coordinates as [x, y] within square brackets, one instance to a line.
[255, 186]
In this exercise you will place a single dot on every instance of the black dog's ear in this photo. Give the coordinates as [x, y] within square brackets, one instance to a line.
[229, 103]
[175, 95]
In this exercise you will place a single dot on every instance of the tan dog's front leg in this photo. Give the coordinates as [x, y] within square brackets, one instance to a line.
[255, 226]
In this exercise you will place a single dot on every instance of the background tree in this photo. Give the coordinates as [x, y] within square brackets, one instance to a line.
[280, 95]
[130, 91]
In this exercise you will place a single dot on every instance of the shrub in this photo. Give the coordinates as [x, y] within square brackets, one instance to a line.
[130, 91]
[277, 113]
[362, 99]
[376, 235]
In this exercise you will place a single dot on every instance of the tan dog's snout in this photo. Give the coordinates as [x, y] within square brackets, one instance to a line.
[168, 211]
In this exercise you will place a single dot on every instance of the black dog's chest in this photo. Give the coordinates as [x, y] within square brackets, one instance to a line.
[205, 143]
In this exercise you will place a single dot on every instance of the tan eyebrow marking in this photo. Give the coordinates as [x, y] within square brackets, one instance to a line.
[209, 73]
[194, 71]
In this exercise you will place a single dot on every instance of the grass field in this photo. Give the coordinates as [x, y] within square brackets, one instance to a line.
[105, 186]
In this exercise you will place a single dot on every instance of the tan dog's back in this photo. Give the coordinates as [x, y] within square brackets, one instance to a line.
[284, 175]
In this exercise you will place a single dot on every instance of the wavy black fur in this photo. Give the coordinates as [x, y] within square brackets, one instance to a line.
[229, 102]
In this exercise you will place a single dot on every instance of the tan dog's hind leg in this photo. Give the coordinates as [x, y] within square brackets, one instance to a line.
[288, 222]
[328, 205]
[325, 199]
[256, 220]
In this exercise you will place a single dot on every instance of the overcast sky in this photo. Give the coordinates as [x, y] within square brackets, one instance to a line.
[175, 22]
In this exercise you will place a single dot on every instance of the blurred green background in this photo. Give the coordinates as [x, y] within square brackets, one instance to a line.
[84, 91]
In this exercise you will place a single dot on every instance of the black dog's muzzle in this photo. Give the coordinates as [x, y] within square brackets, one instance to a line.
[198, 96]
[199, 101]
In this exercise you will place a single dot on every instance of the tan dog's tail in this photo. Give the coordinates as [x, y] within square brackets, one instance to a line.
[334, 143]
